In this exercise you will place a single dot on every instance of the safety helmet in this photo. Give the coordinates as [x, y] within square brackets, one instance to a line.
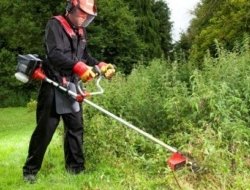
[87, 6]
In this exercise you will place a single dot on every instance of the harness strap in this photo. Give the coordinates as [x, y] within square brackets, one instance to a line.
[66, 26]
[68, 29]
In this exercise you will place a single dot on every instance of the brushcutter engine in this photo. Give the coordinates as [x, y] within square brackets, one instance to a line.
[29, 68]
[26, 67]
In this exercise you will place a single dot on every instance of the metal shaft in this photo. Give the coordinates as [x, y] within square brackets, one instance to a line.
[129, 125]
[147, 135]
[56, 85]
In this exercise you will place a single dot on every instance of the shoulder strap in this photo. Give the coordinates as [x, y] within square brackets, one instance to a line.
[69, 30]
[71, 33]
[66, 26]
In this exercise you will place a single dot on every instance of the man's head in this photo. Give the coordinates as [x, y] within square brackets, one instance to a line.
[81, 12]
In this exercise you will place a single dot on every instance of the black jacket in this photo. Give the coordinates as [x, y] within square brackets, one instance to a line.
[63, 52]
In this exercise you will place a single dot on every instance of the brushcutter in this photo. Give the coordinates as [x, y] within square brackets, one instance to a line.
[29, 68]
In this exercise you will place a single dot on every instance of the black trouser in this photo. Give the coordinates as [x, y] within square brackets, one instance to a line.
[47, 122]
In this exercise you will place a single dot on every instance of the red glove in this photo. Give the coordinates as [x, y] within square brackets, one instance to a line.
[83, 71]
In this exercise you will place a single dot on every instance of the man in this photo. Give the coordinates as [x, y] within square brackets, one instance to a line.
[67, 61]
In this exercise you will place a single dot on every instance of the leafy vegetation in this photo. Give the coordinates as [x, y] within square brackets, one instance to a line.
[226, 21]
[204, 113]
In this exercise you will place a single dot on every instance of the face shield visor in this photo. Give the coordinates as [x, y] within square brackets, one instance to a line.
[84, 17]
[89, 19]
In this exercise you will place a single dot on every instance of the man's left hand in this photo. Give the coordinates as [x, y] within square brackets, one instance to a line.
[108, 70]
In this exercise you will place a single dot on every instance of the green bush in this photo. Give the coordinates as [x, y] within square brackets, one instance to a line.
[31, 105]
[205, 113]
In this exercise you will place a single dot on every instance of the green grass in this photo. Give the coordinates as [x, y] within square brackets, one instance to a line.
[16, 128]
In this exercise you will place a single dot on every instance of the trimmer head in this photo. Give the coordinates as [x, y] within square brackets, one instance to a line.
[177, 161]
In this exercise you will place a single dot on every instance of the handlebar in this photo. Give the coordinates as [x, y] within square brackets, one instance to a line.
[100, 91]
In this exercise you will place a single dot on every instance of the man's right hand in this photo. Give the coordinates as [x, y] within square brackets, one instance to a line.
[84, 72]
[88, 75]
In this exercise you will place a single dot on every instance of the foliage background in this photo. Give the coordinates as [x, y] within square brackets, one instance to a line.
[193, 94]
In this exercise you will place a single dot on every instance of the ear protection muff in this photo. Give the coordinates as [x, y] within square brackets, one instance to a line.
[71, 4]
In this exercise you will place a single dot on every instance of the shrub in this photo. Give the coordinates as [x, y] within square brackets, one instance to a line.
[203, 112]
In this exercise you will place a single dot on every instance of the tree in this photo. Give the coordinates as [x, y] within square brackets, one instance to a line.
[162, 14]
[22, 30]
[113, 36]
[225, 21]
[153, 26]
